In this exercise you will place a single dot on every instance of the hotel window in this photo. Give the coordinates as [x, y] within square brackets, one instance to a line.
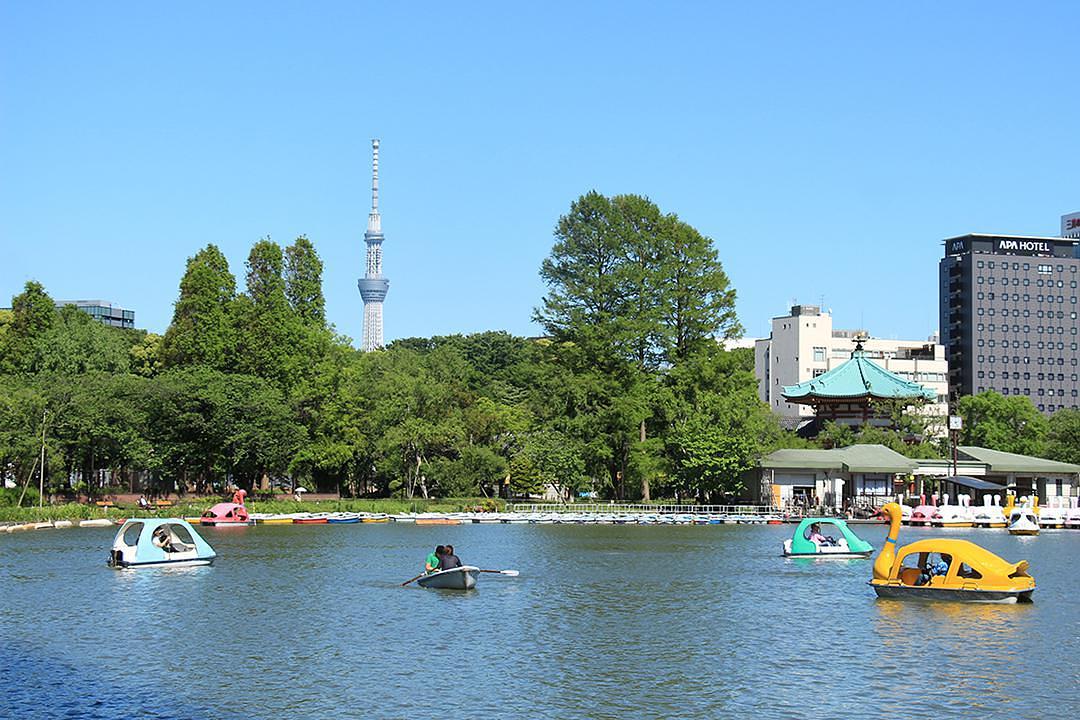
[981, 374]
[980, 279]
[980, 296]
[991, 264]
[819, 354]
[989, 296]
[1045, 269]
[1026, 282]
[1027, 376]
[1060, 284]
[1061, 268]
[980, 263]
[1027, 266]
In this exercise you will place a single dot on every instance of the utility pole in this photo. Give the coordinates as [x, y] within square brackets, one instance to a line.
[41, 476]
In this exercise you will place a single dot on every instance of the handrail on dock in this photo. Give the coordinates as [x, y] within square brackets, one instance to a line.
[623, 509]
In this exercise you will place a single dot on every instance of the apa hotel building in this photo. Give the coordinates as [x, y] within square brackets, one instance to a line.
[1008, 313]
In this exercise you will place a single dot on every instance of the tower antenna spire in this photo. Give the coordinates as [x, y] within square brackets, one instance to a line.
[373, 286]
[375, 175]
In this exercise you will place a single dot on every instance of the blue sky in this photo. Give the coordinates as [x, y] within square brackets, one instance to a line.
[827, 148]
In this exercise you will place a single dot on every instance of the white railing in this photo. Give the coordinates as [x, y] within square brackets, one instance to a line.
[623, 509]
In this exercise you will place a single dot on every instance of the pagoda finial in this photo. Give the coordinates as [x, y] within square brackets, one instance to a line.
[859, 339]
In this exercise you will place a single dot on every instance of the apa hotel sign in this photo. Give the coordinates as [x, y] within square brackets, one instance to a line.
[1023, 246]
[1070, 225]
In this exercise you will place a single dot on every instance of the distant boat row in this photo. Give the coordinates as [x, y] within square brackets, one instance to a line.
[514, 518]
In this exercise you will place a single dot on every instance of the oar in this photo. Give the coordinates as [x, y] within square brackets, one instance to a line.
[414, 579]
[509, 573]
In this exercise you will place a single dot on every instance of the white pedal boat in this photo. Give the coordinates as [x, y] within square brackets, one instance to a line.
[1022, 521]
[459, 578]
[157, 542]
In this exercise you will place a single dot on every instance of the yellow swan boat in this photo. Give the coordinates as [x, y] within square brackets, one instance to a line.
[946, 570]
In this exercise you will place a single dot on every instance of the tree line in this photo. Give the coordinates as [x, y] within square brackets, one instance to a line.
[630, 393]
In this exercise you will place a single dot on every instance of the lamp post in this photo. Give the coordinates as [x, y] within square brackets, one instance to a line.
[956, 424]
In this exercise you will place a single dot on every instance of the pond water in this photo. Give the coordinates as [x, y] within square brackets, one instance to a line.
[603, 622]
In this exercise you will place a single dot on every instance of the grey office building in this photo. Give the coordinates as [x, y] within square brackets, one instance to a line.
[1008, 307]
[103, 312]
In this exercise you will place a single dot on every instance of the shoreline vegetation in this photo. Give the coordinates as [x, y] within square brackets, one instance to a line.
[629, 394]
[191, 507]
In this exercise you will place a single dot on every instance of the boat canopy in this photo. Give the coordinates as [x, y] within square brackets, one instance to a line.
[801, 543]
[962, 551]
[973, 483]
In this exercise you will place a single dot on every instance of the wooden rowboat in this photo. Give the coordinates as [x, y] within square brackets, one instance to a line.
[310, 521]
[459, 578]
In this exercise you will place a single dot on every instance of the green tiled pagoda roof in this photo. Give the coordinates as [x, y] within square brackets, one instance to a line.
[858, 377]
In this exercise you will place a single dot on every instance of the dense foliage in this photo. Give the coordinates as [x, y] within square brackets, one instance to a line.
[630, 395]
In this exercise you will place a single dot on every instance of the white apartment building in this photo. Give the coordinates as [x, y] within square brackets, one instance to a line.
[803, 345]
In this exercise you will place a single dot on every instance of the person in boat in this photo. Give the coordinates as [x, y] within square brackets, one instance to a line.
[433, 562]
[931, 569]
[161, 539]
[817, 537]
[238, 497]
[449, 559]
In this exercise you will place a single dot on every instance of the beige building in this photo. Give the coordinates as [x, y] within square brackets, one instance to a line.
[804, 344]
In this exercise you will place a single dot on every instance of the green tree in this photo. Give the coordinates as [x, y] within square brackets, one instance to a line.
[303, 281]
[267, 330]
[146, 355]
[76, 343]
[1063, 439]
[33, 314]
[719, 426]
[1009, 424]
[200, 332]
[549, 458]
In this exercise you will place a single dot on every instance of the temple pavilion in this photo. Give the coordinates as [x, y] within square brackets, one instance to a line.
[846, 394]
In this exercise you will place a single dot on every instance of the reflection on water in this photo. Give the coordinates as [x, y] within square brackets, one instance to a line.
[604, 622]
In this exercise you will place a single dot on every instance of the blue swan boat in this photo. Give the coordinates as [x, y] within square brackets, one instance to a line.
[156, 542]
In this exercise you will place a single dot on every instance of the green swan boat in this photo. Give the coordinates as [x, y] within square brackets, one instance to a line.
[812, 539]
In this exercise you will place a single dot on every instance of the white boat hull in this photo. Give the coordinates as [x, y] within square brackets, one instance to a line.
[462, 578]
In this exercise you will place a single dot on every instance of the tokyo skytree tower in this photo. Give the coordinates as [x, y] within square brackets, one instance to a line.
[373, 285]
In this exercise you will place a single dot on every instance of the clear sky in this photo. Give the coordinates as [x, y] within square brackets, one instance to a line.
[827, 148]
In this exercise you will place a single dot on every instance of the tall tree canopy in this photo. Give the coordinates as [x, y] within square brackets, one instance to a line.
[627, 282]
[33, 314]
[303, 281]
[200, 332]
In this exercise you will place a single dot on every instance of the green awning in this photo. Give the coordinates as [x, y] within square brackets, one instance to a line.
[1004, 462]
[851, 459]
